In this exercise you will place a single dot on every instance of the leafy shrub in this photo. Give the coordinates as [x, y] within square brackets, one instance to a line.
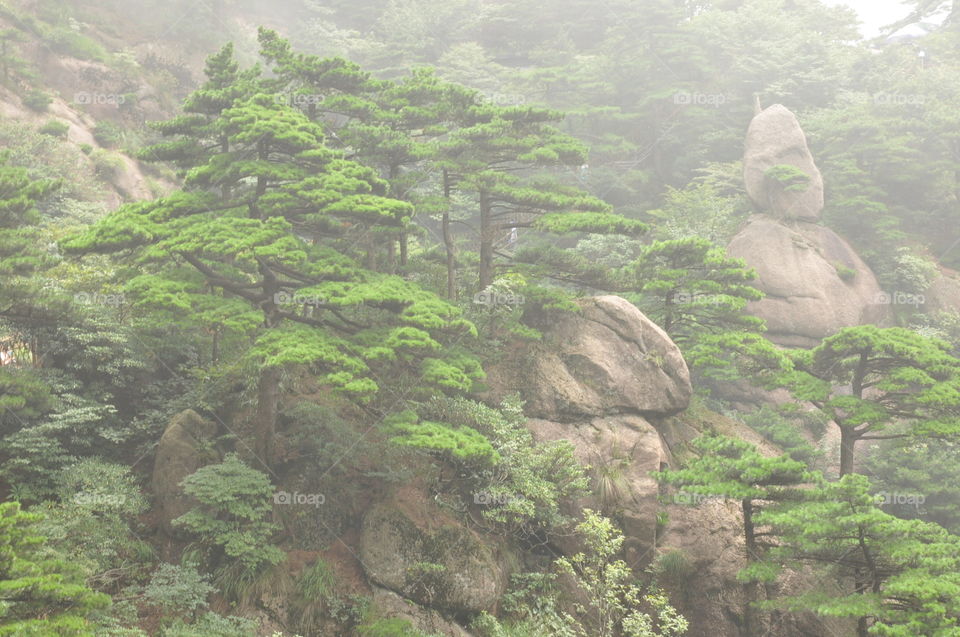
[108, 166]
[524, 488]
[37, 100]
[232, 516]
[613, 601]
[108, 134]
[55, 128]
[790, 177]
[392, 627]
[69, 42]
[912, 274]
[213, 625]
[845, 273]
[178, 590]
[92, 523]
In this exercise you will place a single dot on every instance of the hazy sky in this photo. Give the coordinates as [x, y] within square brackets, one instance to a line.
[875, 13]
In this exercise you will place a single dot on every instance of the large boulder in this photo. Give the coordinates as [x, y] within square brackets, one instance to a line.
[186, 445]
[814, 282]
[621, 452]
[776, 153]
[604, 360]
[410, 546]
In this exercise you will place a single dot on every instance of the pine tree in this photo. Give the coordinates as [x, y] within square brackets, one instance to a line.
[281, 245]
[905, 574]
[493, 157]
[867, 378]
[733, 469]
[40, 595]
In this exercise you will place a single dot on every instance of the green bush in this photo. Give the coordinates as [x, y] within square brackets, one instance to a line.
[55, 128]
[178, 590]
[213, 625]
[107, 166]
[108, 135]
[37, 100]
[845, 273]
[232, 518]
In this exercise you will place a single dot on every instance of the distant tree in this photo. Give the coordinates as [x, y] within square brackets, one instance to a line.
[698, 295]
[867, 378]
[733, 469]
[901, 577]
[488, 157]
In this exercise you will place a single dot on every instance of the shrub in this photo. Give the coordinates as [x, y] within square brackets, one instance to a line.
[232, 516]
[393, 627]
[178, 590]
[37, 100]
[524, 488]
[55, 128]
[108, 134]
[613, 601]
[92, 523]
[108, 166]
[845, 273]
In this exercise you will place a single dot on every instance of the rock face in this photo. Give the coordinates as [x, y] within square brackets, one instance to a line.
[775, 141]
[814, 282]
[943, 295]
[622, 451]
[608, 359]
[411, 547]
[184, 448]
[426, 620]
[598, 378]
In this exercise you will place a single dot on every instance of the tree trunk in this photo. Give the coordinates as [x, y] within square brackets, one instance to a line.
[848, 438]
[265, 425]
[749, 588]
[448, 242]
[487, 238]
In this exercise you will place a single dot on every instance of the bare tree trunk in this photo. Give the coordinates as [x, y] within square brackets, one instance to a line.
[848, 438]
[749, 588]
[448, 242]
[265, 424]
[487, 238]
